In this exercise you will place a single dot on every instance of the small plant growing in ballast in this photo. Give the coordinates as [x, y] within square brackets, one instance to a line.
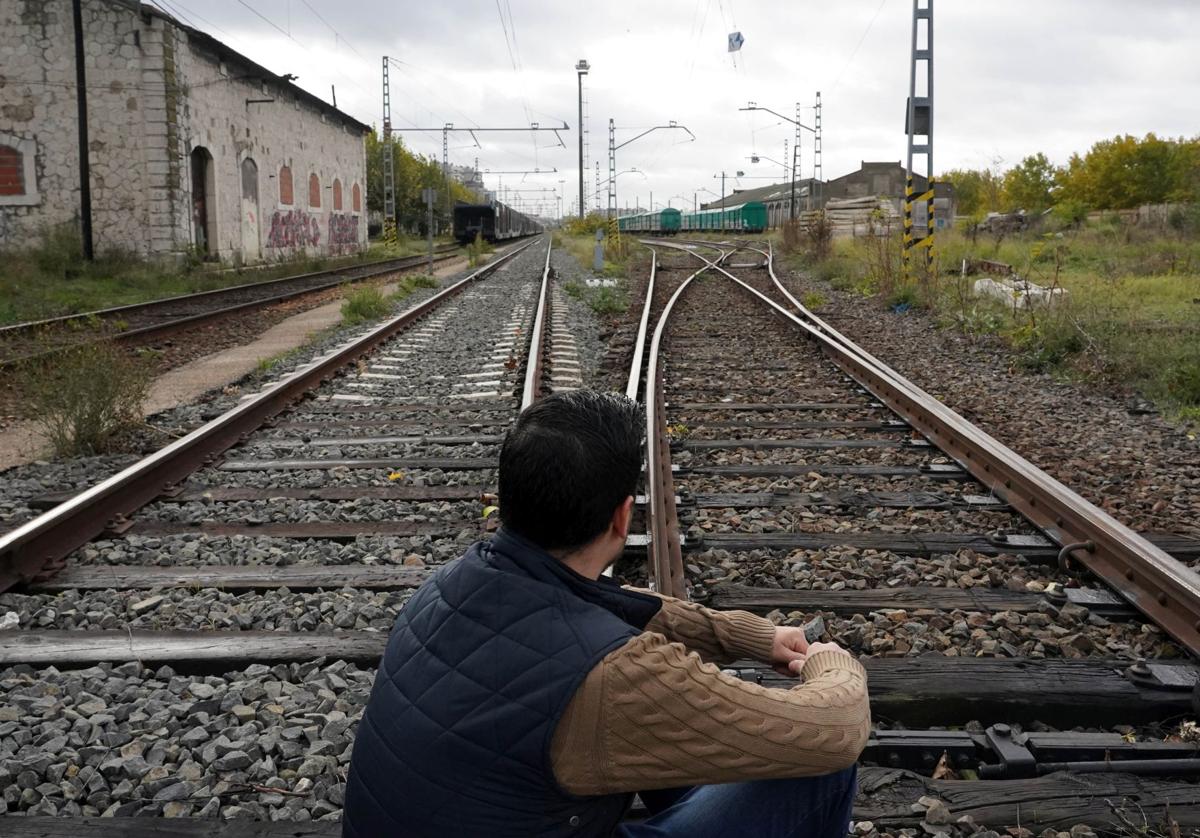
[86, 397]
[363, 304]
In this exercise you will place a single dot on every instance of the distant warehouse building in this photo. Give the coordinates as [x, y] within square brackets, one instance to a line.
[887, 179]
[193, 147]
[871, 180]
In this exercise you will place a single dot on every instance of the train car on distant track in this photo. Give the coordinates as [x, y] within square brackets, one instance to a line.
[494, 222]
[664, 221]
[750, 217]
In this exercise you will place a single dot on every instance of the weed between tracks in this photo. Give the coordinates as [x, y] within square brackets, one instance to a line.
[368, 302]
[620, 261]
[1131, 316]
[88, 397]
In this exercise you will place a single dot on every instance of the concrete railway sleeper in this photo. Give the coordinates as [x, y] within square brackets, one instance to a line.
[800, 479]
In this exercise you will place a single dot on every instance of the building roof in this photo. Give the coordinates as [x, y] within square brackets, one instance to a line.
[774, 192]
[227, 53]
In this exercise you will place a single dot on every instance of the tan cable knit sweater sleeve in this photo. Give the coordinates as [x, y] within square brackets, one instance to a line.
[717, 636]
[652, 715]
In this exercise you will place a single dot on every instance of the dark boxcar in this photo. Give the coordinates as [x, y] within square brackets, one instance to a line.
[471, 220]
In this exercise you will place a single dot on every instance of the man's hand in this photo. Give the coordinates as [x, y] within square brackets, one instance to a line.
[797, 664]
[790, 647]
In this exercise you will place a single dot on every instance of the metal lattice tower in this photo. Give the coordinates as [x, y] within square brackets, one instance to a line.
[597, 192]
[817, 172]
[446, 162]
[797, 151]
[786, 165]
[612, 170]
[389, 171]
[918, 209]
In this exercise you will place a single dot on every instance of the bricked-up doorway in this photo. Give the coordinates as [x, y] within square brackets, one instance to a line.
[251, 243]
[204, 203]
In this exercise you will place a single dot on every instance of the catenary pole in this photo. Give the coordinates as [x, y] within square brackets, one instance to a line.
[85, 168]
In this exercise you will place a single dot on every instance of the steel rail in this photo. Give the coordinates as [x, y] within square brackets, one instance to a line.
[639, 342]
[532, 391]
[188, 321]
[662, 521]
[1148, 578]
[384, 265]
[41, 544]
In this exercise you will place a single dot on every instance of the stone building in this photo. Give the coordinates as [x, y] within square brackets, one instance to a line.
[193, 147]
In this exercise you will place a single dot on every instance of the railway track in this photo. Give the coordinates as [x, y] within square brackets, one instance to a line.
[789, 472]
[212, 615]
[157, 318]
[198, 633]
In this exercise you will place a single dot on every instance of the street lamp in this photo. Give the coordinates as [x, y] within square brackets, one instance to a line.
[581, 70]
[613, 179]
[697, 191]
[612, 149]
[722, 176]
[753, 106]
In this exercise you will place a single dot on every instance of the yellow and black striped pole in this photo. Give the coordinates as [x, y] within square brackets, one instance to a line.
[908, 222]
[932, 223]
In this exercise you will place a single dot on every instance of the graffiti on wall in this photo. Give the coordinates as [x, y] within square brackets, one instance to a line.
[294, 228]
[343, 232]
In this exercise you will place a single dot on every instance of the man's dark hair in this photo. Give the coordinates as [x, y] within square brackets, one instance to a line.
[569, 461]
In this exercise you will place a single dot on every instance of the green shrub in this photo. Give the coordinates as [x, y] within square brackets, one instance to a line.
[85, 398]
[363, 304]
[1047, 343]
[812, 300]
[608, 300]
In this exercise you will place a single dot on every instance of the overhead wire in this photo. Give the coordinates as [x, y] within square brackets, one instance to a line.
[857, 46]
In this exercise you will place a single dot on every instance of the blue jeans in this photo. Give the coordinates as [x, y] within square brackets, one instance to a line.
[806, 807]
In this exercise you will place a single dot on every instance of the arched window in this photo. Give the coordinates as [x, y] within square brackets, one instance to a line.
[337, 195]
[356, 197]
[12, 171]
[285, 185]
[314, 191]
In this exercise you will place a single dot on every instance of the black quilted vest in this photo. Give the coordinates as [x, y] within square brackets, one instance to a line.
[480, 666]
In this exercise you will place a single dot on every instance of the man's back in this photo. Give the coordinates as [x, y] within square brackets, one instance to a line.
[478, 670]
[524, 693]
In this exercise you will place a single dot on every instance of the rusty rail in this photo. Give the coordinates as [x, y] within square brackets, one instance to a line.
[532, 391]
[375, 268]
[639, 342]
[1161, 588]
[43, 543]
[662, 521]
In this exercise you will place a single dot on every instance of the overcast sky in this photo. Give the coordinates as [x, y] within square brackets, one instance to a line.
[1011, 78]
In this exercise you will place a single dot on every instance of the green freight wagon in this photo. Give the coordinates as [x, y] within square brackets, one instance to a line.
[664, 221]
[743, 218]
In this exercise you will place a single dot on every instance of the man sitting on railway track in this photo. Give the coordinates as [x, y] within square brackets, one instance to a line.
[523, 693]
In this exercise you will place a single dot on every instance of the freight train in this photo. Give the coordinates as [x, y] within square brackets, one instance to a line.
[494, 222]
[750, 217]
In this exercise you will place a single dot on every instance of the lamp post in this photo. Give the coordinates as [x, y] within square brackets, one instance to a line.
[618, 174]
[722, 176]
[752, 106]
[696, 192]
[613, 148]
[581, 70]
